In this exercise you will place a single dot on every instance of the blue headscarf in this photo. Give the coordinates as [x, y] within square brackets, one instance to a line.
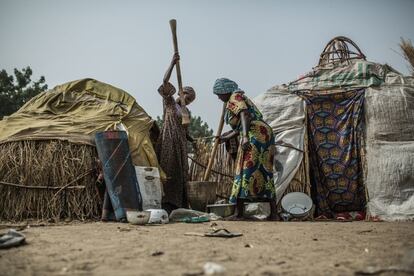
[225, 86]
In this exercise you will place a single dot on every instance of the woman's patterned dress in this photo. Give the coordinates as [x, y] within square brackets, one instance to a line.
[254, 167]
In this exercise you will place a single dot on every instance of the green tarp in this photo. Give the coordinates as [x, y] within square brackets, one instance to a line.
[349, 76]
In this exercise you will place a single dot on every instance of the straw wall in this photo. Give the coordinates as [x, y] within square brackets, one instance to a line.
[47, 180]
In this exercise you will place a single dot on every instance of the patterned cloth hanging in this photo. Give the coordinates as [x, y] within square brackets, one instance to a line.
[334, 127]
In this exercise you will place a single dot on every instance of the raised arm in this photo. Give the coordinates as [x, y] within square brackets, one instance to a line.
[174, 60]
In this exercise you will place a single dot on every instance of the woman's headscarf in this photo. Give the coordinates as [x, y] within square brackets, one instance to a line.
[191, 94]
[225, 86]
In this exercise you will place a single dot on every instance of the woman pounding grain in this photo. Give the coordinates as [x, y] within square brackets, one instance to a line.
[253, 179]
[172, 143]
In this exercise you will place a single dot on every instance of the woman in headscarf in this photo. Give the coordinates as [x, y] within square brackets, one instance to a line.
[253, 179]
[172, 143]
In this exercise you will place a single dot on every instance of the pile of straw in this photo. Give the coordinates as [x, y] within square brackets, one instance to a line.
[46, 180]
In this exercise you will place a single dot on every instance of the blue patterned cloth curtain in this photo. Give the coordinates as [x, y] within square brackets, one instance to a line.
[334, 131]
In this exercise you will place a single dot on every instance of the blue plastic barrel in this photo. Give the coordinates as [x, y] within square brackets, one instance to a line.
[119, 172]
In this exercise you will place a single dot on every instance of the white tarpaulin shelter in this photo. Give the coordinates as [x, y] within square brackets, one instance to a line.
[389, 116]
[285, 114]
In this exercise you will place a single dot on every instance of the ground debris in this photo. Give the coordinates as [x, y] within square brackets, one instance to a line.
[157, 253]
[365, 231]
[370, 270]
[211, 268]
[195, 273]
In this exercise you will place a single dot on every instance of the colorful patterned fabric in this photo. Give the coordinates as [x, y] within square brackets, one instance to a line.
[334, 127]
[254, 167]
[225, 86]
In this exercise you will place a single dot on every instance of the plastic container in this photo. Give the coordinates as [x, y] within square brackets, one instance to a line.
[158, 216]
[149, 186]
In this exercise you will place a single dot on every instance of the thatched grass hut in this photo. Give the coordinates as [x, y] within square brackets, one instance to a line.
[47, 151]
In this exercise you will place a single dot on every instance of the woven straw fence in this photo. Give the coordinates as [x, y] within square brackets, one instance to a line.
[222, 170]
[46, 180]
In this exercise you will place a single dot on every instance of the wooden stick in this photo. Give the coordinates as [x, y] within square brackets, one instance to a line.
[213, 170]
[40, 187]
[73, 181]
[184, 111]
[216, 144]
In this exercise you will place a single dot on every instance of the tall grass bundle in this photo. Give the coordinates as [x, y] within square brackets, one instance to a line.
[408, 52]
[48, 179]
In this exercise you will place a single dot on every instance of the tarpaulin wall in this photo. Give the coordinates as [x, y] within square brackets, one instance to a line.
[389, 116]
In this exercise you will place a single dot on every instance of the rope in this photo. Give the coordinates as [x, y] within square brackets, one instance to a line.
[67, 186]
[287, 145]
[204, 166]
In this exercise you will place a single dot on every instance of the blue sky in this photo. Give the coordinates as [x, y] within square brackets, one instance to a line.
[256, 43]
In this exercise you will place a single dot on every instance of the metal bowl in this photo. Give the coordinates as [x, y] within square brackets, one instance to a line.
[297, 204]
[222, 210]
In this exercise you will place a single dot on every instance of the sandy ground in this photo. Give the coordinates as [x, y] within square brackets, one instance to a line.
[266, 248]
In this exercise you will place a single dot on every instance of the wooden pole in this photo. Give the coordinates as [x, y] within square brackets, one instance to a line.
[184, 111]
[216, 144]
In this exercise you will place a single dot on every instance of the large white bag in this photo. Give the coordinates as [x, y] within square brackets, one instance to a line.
[150, 187]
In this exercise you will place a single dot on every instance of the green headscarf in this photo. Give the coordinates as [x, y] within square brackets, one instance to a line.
[225, 86]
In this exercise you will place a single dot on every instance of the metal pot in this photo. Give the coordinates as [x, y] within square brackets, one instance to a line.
[222, 210]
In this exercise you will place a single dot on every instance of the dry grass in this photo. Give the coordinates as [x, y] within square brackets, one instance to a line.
[408, 52]
[56, 180]
[222, 171]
